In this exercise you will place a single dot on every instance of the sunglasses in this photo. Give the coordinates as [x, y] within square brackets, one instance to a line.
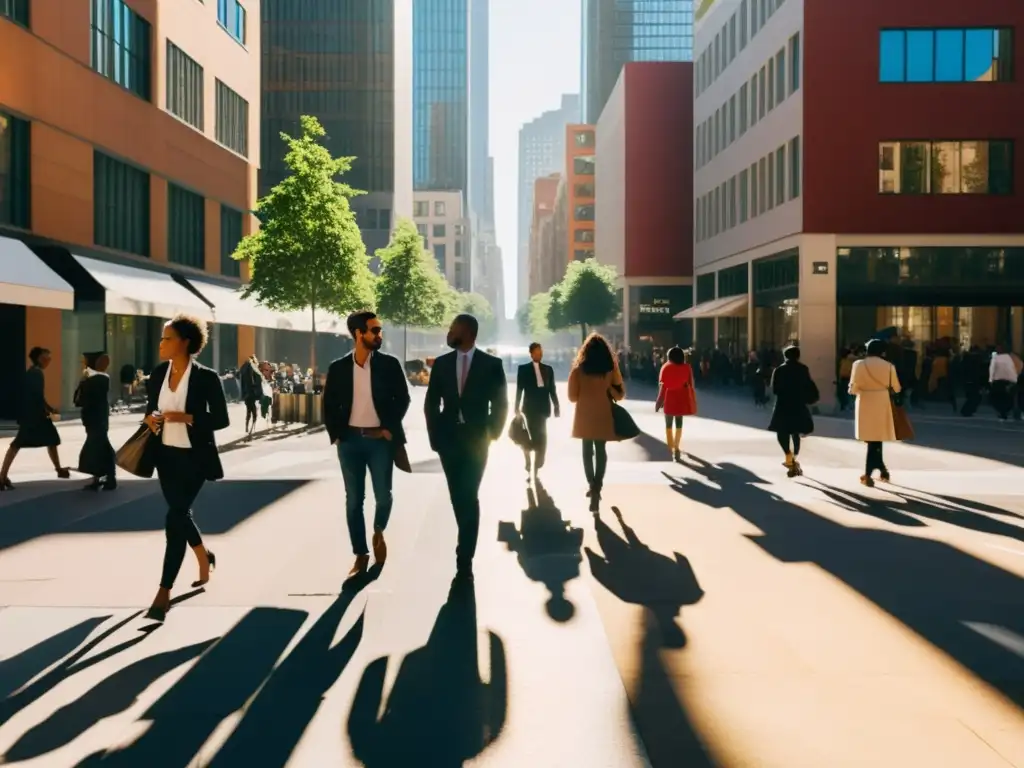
[375, 331]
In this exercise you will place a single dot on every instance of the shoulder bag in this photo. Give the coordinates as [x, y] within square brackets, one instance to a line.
[138, 455]
[902, 427]
[622, 422]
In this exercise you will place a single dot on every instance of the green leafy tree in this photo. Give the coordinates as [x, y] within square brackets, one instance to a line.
[586, 297]
[478, 306]
[308, 252]
[532, 317]
[410, 289]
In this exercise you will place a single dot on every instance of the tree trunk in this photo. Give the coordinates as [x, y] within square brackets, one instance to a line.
[312, 338]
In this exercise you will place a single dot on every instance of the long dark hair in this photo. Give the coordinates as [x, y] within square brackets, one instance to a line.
[595, 357]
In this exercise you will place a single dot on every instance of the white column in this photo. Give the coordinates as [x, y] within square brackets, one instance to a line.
[751, 341]
[817, 321]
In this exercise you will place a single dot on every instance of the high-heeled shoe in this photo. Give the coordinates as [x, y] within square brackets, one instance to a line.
[213, 567]
[64, 473]
[110, 484]
[6, 485]
[157, 613]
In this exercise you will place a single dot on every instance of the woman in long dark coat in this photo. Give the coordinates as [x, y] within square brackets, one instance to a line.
[93, 398]
[794, 391]
[35, 424]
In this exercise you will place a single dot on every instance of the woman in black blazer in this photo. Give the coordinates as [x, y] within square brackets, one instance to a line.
[93, 399]
[185, 407]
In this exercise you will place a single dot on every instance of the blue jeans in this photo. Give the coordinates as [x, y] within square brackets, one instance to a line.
[357, 454]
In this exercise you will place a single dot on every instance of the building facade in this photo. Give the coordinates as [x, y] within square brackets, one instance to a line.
[442, 223]
[643, 210]
[545, 259]
[541, 153]
[580, 159]
[111, 225]
[358, 54]
[907, 217]
[619, 31]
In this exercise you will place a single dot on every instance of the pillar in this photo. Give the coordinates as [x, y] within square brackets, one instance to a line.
[817, 320]
[751, 340]
[246, 343]
[1017, 329]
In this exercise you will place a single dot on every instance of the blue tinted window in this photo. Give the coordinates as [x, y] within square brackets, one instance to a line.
[920, 55]
[949, 55]
[893, 56]
[981, 54]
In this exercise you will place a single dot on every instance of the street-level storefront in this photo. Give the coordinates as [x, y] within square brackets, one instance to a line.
[776, 320]
[650, 310]
[721, 312]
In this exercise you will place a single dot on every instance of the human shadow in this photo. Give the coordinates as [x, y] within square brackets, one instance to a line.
[946, 500]
[220, 507]
[19, 669]
[547, 549]
[439, 712]
[938, 591]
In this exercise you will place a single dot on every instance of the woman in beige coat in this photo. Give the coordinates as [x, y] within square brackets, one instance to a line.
[593, 383]
[870, 381]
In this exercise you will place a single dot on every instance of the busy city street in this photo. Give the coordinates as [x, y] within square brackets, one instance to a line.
[714, 612]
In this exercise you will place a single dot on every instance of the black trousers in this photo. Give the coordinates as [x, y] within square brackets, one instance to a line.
[538, 426]
[784, 438]
[250, 408]
[464, 460]
[874, 459]
[595, 461]
[180, 482]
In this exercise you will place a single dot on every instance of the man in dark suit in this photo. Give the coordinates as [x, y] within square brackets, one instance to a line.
[535, 397]
[365, 399]
[466, 406]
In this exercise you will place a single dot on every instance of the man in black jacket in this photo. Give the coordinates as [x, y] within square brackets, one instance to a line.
[535, 397]
[365, 399]
[466, 406]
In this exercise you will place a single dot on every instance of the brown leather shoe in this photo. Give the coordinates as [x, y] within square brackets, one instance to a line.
[380, 548]
[359, 567]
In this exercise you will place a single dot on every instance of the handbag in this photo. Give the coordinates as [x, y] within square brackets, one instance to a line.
[624, 426]
[518, 432]
[902, 427]
[137, 456]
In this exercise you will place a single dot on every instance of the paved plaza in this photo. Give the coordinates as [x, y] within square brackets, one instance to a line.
[716, 613]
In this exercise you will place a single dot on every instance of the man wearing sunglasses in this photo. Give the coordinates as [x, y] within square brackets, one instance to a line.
[365, 399]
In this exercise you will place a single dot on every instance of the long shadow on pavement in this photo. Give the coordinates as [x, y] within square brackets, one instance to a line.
[547, 548]
[638, 575]
[955, 601]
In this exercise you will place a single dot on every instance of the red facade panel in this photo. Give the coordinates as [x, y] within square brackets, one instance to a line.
[847, 112]
[659, 169]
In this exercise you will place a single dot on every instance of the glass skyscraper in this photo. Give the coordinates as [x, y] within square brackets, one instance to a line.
[619, 31]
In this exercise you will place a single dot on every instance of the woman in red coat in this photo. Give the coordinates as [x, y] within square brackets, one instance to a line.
[677, 396]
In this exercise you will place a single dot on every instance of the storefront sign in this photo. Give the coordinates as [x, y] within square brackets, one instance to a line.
[656, 307]
[820, 267]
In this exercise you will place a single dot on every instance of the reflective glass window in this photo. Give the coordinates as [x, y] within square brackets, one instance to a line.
[920, 55]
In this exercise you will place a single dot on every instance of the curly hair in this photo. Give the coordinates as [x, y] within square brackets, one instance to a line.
[595, 356]
[192, 330]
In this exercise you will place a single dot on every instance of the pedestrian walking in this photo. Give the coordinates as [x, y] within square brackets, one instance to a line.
[365, 400]
[1002, 376]
[250, 382]
[35, 420]
[536, 398]
[185, 407]
[92, 397]
[872, 379]
[466, 406]
[794, 391]
[677, 396]
[594, 382]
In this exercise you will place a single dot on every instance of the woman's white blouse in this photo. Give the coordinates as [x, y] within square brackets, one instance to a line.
[174, 435]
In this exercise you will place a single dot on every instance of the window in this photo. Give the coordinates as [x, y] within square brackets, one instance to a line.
[744, 96]
[754, 197]
[458, 278]
[15, 173]
[186, 227]
[584, 236]
[744, 13]
[945, 55]
[231, 15]
[732, 202]
[460, 230]
[584, 138]
[780, 175]
[945, 167]
[441, 256]
[583, 166]
[762, 176]
[421, 208]
[385, 219]
[755, 17]
[422, 229]
[716, 201]
[584, 212]
[439, 208]
[369, 218]
[771, 181]
[794, 63]
[582, 254]
[458, 250]
[732, 38]
[780, 76]
[440, 230]
[697, 223]
[120, 45]
[761, 93]
[15, 10]
[744, 194]
[732, 118]
[120, 205]
[232, 120]
[794, 168]
[716, 128]
[584, 190]
[753, 100]
[184, 86]
[771, 84]
[230, 237]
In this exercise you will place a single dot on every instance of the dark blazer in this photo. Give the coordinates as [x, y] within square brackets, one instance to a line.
[205, 402]
[388, 386]
[532, 399]
[484, 400]
[794, 390]
[95, 403]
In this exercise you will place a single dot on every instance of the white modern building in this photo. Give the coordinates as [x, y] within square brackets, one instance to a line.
[444, 226]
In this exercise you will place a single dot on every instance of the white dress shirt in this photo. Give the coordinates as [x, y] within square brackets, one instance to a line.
[539, 375]
[364, 414]
[1002, 369]
[463, 363]
[174, 435]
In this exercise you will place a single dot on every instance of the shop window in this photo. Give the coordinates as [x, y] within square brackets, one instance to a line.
[705, 287]
[120, 205]
[733, 281]
[15, 175]
[946, 55]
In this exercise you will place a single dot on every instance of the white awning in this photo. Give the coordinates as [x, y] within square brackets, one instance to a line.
[26, 281]
[730, 306]
[326, 322]
[230, 307]
[142, 292]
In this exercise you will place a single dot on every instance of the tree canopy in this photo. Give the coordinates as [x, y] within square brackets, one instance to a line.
[586, 296]
[532, 317]
[477, 305]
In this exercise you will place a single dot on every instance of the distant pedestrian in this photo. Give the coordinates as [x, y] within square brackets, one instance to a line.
[93, 400]
[594, 381]
[871, 380]
[676, 396]
[35, 420]
[250, 382]
[536, 398]
[185, 407]
[1002, 376]
[794, 391]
